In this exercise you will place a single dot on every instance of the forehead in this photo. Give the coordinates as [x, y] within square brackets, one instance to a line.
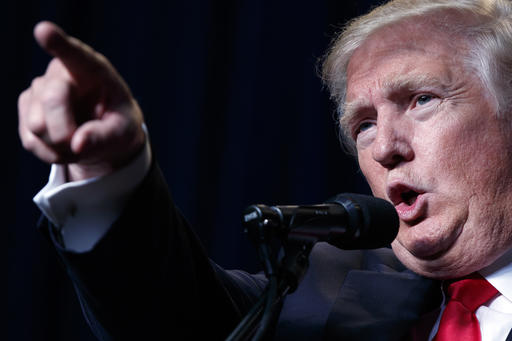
[403, 55]
[405, 48]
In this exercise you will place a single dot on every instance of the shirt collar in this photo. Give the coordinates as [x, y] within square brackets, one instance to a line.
[499, 274]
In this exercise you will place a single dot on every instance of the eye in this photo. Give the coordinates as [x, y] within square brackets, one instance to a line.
[362, 127]
[424, 99]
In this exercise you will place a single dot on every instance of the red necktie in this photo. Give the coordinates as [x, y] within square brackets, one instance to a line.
[459, 321]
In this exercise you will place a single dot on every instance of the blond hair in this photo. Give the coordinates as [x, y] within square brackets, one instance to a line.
[488, 33]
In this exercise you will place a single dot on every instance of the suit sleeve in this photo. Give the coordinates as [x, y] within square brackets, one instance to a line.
[149, 278]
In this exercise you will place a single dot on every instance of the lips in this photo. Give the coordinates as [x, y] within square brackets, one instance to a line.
[410, 202]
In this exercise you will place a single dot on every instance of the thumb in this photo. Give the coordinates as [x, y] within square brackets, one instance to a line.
[111, 139]
[94, 135]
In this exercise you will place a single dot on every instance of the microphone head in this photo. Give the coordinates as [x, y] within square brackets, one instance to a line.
[375, 220]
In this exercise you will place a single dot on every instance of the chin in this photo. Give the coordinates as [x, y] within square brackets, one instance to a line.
[440, 265]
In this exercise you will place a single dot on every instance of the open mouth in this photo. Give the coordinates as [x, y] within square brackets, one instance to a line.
[402, 194]
[409, 197]
[410, 203]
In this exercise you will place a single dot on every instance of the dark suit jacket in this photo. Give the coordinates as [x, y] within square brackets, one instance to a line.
[150, 279]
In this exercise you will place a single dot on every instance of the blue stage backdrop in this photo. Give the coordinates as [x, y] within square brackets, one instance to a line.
[236, 112]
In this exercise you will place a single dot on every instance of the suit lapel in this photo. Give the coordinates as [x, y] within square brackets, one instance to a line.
[355, 295]
[375, 305]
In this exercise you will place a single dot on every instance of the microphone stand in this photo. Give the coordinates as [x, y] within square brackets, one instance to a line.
[282, 280]
[347, 221]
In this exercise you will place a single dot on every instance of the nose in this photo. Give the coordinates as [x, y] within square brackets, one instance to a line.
[392, 145]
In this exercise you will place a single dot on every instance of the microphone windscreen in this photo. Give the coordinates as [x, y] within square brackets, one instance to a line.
[376, 221]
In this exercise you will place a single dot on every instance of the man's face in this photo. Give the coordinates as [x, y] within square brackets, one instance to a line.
[428, 141]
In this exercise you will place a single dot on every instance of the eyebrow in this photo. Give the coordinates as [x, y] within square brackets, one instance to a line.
[350, 111]
[391, 85]
[413, 82]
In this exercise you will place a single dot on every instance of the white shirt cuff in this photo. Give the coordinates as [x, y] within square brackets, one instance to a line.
[84, 210]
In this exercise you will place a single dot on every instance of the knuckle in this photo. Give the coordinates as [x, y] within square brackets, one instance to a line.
[34, 120]
[36, 126]
[39, 148]
[55, 94]
[23, 100]
[54, 64]
[28, 141]
[57, 69]
[36, 81]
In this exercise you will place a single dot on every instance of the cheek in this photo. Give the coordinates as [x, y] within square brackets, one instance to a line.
[468, 156]
[374, 173]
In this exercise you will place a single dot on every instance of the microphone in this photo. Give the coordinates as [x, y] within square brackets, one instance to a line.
[348, 221]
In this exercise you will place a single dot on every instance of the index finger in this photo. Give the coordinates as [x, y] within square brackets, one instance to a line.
[80, 59]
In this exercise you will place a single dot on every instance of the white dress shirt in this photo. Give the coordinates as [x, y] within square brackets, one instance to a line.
[494, 317]
[84, 210]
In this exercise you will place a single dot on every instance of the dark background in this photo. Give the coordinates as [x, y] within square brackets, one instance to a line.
[236, 112]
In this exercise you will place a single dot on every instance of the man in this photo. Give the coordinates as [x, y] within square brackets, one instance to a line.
[424, 90]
